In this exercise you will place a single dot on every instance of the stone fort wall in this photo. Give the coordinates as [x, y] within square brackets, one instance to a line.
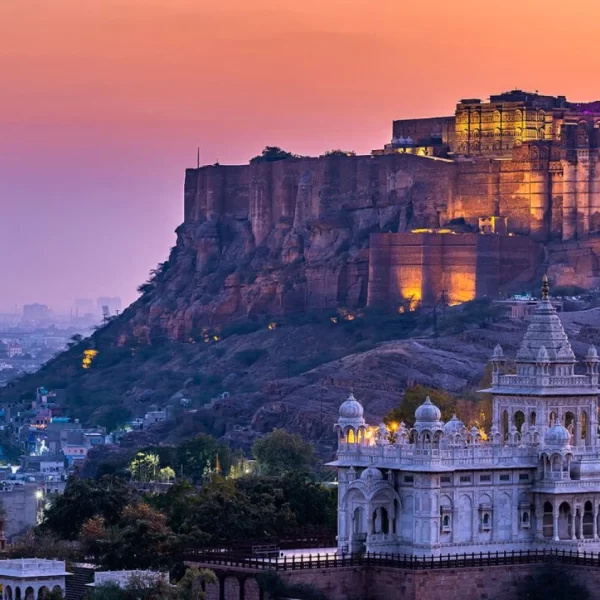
[382, 583]
[420, 267]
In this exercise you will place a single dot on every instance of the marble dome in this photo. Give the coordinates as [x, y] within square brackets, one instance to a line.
[428, 412]
[372, 474]
[557, 435]
[351, 408]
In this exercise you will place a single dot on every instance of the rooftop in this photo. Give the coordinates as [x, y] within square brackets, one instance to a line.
[24, 568]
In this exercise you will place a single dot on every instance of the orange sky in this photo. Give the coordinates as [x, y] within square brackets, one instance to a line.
[103, 102]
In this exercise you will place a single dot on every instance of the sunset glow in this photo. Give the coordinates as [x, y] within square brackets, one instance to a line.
[104, 104]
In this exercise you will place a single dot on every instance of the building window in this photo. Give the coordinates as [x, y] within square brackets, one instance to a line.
[408, 479]
[525, 520]
[446, 520]
[504, 477]
[445, 479]
[484, 478]
[523, 476]
[465, 479]
[486, 522]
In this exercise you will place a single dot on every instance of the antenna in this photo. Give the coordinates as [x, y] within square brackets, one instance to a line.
[105, 313]
[198, 158]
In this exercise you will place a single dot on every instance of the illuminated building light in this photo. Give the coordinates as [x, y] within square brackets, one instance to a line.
[88, 357]
[272, 325]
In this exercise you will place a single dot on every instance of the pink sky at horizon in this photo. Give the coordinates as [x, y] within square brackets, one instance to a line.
[103, 103]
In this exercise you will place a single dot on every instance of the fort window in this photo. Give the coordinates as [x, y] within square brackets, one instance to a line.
[484, 478]
[409, 479]
[505, 477]
[445, 479]
[465, 479]
[523, 476]
[525, 521]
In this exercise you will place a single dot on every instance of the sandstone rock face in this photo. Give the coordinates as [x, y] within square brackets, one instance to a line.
[280, 237]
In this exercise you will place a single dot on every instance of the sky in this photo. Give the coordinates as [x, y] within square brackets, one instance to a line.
[104, 102]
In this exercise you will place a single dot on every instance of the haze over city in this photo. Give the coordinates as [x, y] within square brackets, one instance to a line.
[104, 103]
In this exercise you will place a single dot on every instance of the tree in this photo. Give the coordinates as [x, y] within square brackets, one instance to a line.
[144, 467]
[553, 582]
[413, 398]
[189, 587]
[166, 474]
[280, 452]
[141, 539]
[339, 153]
[271, 154]
[197, 458]
[84, 499]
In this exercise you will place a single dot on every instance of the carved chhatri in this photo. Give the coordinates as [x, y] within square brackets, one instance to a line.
[531, 482]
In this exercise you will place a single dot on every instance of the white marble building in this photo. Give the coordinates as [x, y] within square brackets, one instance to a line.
[31, 578]
[440, 488]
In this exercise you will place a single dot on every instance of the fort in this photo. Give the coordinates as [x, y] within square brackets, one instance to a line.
[511, 181]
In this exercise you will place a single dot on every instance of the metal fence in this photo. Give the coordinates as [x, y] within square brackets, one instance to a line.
[398, 561]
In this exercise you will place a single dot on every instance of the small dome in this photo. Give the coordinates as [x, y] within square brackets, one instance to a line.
[428, 412]
[592, 352]
[542, 355]
[453, 426]
[351, 408]
[371, 474]
[557, 435]
[498, 352]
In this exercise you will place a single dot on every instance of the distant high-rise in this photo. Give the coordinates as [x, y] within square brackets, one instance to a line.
[36, 312]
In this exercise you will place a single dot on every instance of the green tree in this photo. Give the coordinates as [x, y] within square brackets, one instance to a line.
[141, 539]
[189, 587]
[413, 398]
[144, 467]
[166, 474]
[84, 499]
[280, 452]
[271, 154]
[196, 459]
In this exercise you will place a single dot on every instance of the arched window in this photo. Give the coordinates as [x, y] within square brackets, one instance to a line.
[518, 420]
[548, 521]
[552, 420]
[351, 438]
[584, 425]
[505, 425]
[532, 418]
[588, 520]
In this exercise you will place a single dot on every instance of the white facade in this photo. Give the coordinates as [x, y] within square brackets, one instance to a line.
[31, 578]
[439, 488]
[124, 578]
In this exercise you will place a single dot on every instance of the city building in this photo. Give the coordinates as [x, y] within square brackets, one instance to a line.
[531, 482]
[123, 578]
[31, 578]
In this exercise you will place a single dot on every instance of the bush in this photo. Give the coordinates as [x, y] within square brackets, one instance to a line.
[241, 328]
[250, 356]
[271, 154]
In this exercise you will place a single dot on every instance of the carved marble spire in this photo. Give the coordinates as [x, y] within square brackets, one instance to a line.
[545, 331]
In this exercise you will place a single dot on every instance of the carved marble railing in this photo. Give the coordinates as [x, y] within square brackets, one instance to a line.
[567, 381]
[476, 455]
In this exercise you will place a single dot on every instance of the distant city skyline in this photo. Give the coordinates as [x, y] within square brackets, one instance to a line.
[103, 105]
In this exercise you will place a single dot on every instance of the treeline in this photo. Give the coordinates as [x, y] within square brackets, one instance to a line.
[108, 520]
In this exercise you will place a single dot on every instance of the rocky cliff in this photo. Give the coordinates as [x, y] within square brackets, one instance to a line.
[279, 237]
